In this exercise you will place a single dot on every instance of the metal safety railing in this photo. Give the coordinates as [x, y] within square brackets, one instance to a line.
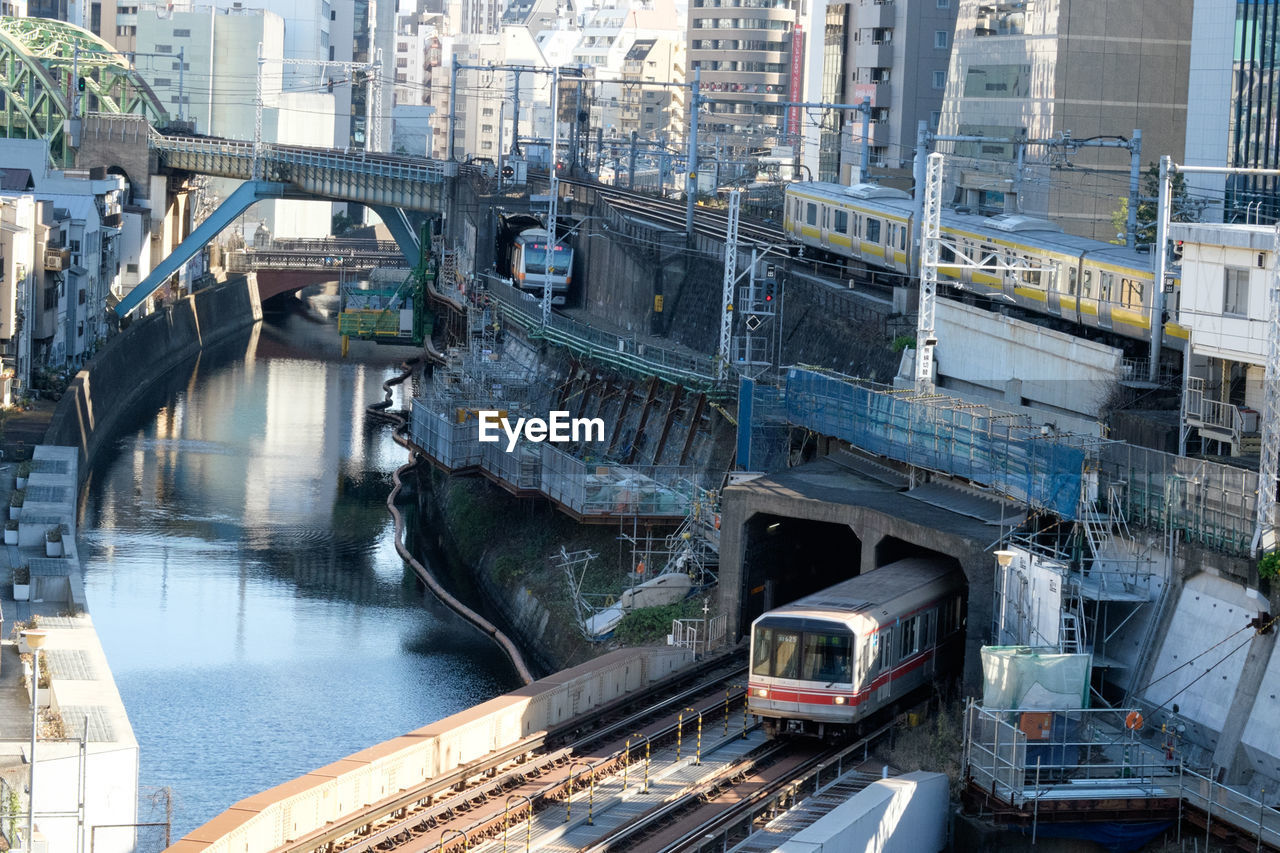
[1021, 755]
[358, 163]
[1027, 756]
[1204, 502]
[601, 489]
[644, 358]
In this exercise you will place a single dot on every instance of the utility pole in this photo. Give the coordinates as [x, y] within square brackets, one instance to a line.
[515, 117]
[373, 125]
[931, 232]
[1161, 255]
[1135, 166]
[75, 82]
[453, 106]
[730, 279]
[553, 182]
[864, 166]
[257, 122]
[182, 68]
[631, 162]
[1267, 527]
[691, 187]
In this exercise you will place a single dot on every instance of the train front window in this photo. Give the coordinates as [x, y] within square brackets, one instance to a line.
[775, 653]
[828, 657]
[535, 260]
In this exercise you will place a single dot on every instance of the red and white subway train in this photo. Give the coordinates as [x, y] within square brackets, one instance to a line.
[823, 663]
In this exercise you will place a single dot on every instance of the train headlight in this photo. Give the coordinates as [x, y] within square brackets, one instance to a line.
[839, 700]
[762, 692]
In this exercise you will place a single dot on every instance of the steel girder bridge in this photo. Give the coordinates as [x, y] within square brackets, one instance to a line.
[390, 184]
[42, 62]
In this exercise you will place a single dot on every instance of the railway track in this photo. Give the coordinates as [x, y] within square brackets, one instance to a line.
[472, 797]
[722, 814]
[708, 221]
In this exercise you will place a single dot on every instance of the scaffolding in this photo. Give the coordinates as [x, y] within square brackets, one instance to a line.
[1008, 453]
[445, 425]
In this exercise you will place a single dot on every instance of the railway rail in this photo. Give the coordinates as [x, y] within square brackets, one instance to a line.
[470, 797]
[641, 781]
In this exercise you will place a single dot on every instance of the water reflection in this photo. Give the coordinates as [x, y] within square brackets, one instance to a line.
[241, 571]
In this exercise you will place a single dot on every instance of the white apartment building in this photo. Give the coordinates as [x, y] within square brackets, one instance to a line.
[1226, 276]
[221, 100]
[63, 239]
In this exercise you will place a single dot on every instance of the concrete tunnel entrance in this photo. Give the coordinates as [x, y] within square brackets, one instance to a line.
[786, 558]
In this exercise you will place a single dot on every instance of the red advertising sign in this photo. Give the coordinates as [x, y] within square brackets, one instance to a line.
[797, 75]
[864, 91]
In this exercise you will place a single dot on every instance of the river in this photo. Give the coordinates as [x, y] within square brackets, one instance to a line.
[241, 571]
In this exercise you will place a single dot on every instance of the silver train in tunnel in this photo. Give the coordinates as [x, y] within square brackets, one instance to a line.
[825, 662]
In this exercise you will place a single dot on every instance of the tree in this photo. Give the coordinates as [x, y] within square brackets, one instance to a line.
[342, 223]
[1182, 207]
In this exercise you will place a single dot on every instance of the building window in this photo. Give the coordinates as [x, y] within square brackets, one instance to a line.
[944, 4]
[1235, 292]
[935, 118]
[164, 48]
[939, 79]
[941, 39]
[182, 34]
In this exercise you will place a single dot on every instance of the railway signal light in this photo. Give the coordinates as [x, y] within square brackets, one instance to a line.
[80, 84]
[769, 286]
[508, 172]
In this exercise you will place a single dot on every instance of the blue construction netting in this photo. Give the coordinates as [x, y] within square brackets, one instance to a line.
[1005, 452]
[763, 432]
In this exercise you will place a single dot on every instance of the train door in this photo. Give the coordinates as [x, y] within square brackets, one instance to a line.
[1088, 297]
[1051, 281]
[1009, 279]
[1106, 292]
[824, 236]
[965, 274]
[1073, 291]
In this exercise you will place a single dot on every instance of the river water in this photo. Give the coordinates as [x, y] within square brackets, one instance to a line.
[241, 572]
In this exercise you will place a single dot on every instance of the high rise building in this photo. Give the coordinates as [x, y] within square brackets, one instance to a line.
[1236, 94]
[893, 55]
[750, 54]
[1062, 70]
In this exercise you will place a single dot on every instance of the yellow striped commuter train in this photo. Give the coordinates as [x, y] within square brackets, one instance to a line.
[1082, 281]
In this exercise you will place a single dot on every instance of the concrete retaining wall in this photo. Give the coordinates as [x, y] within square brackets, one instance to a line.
[305, 805]
[138, 356]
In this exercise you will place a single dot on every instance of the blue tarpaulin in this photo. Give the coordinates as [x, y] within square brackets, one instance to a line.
[994, 449]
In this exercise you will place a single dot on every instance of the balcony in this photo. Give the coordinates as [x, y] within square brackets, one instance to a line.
[870, 16]
[1222, 422]
[873, 55]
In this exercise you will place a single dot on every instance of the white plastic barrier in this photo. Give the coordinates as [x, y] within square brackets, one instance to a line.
[905, 814]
